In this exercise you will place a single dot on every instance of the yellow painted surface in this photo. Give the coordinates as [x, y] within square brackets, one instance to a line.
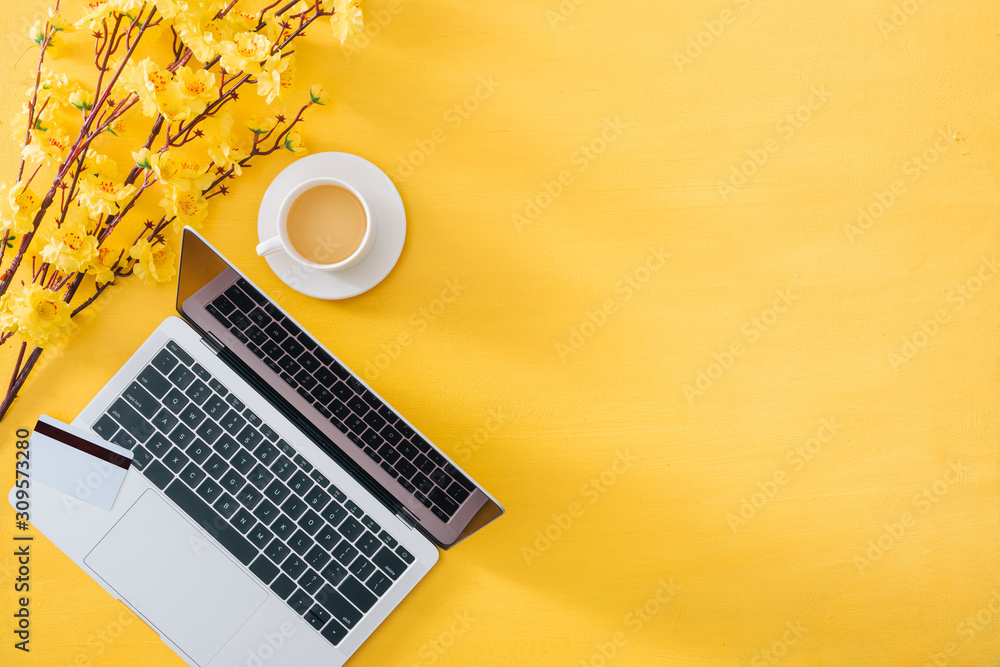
[829, 494]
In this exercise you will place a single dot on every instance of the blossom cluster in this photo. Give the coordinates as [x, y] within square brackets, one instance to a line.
[161, 113]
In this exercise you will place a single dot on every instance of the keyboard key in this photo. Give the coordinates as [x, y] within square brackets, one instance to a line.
[243, 461]
[300, 542]
[183, 356]
[283, 587]
[443, 500]
[439, 476]
[338, 606]
[233, 422]
[294, 506]
[334, 573]
[158, 474]
[208, 519]
[198, 451]
[317, 497]
[249, 496]
[252, 417]
[217, 387]
[353, 508]
[141, 400]
[300, 483]
[317, 617]
[356, 592]
[276, 492]
[404, 554]
[387, 539]
[266, 453]
[311, 581]
[259, 536]
[192, 416]
[300, 602]
[293, 566]
[368, 544]
[424, 464]
[176, 460]
[105, 427]
[265, 570]
[198, 391]
[181, 377]
[458, 492]
[209, 431]
[200, 371]
[389, 563]
[333, 632]
[327, 537]
[215, 407]
[134, 423]
[209, 490]
[140, 455]
[276, 551]
[165, 420]
[260, 477]
[310, 522]
[226, 505]
[175, 401]
[232, 482]
[283, 527]
[241, 300]
[266, 512]
[361, 568]
[317, 557]
[391, 435]
[181, 435]
[422, 482]
[158, 445]
[351, 529]
[378, 583]
[283, 468]
[306, 381]
[164, 361]
[216, 466]
[243, 521]
[389, 453]
[226, 447]
[268, 432]
[344, 552]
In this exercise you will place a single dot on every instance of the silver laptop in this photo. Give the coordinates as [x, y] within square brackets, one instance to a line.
[277, 509]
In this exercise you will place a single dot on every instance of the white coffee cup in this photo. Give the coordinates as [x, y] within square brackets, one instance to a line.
[282, 242]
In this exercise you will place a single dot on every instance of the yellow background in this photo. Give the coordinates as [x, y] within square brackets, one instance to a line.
[562, 72]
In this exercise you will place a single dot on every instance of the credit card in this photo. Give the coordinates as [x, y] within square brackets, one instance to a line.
[77, 462]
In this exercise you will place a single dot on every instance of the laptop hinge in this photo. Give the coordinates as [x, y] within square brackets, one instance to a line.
[407, 518]
[212, 342]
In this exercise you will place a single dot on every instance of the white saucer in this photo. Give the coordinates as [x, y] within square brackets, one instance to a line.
[386, 207]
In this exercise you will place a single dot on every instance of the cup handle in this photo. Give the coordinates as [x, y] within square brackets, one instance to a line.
[269, 247]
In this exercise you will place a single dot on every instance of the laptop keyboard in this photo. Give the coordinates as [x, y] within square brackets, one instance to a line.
[261, 500]
[341, 398]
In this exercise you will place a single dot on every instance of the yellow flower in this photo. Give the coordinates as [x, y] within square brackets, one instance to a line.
[168, 8]
[102, 267]
[98, 163]
[47, 148]
[197, 87]
[103, 194]
[70, 248]
[37, 314]
[59, 22]
[116, 127]
[142, 157]
[177, 173]
[172, 105]
[293, 142]
[261, 124]
[36, 32]
[203, 36]
[82, 99]
[318, 95]
[187, 208]
[24, 203]
[154, 262]
[95, 13]
[146, 79]
[245, 20]
[270, 81]
[52, 87]
[346, 20]
[245, 52]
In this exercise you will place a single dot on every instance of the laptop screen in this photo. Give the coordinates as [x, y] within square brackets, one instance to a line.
[326, 399]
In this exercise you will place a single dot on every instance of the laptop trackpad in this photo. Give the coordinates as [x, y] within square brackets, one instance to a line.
[186, 587]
